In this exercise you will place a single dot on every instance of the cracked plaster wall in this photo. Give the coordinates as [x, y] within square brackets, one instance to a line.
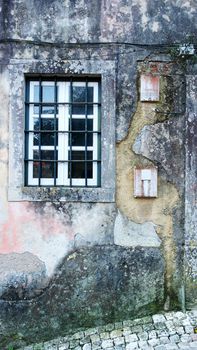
[50, 232]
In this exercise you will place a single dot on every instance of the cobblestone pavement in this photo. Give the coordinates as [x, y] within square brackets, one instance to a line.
[168, 331]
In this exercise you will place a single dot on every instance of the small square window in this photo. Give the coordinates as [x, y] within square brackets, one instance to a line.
[63, 133]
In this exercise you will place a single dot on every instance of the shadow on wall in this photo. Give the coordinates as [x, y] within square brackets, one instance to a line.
[93, 286]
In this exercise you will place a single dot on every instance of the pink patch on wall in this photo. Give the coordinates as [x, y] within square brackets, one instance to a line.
[22, 215]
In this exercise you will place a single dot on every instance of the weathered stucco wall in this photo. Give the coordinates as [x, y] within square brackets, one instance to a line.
[73, 264]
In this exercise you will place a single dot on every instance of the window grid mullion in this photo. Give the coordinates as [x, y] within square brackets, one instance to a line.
[55, 133]
[86, 124]
[40, 111]
[70, 127]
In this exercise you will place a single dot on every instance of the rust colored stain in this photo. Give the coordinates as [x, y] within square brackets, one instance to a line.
[20, 217]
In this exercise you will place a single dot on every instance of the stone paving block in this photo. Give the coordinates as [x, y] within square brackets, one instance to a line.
[186, 322]
[131, 338]
[119, 347]
[193, 345]
[96, 346]
[128, 323]
[153, 342]
[119, 341]
[174, 338]
[171, 347]
[109, 327]
[164, 340]
[160, 347]
[194, 337]
[143, 344]
[104, 335]
[184, 346]
[160, 326]
[74, 344]
[91, 331]
[189, 329]
[137, 321]
[158, 318]
[152, 334]
[95, 338]
[169, 316]
[126, 331]
[143, 336]
[78, 348]
[107, 344]
[162, 333]
[185, 338]
[87, 346]
[180, 330]
[132, 346]
[146, 319]
[180, 315]
[64, 346]
[118, 325]
[148, 327]
[78, 335]
[85, 340]
[136, 329]
[116, 333]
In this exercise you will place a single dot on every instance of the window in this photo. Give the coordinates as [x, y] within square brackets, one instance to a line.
[63, 132]
[67, 110]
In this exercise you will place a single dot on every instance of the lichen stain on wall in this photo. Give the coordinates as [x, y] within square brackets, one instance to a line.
[157, 210]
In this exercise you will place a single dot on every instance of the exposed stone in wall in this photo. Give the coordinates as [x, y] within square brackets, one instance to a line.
[166, 210]
[163, 143]
[21, 276]
[129, 234]
[93, 286]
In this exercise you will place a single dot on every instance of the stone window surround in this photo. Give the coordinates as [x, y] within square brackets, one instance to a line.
[18, 70]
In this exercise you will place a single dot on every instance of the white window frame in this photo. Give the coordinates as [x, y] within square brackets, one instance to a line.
[18, 71]
[63, 117]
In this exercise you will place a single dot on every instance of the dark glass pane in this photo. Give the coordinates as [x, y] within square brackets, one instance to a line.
[36, 124]
[89, 139]
[79, 93]
[78, 170]
[46, 155]
[80, 155]
[89, 155]
[36, 93]
[47, 170]
[90, 124]
[78, 124]
[78, 139]
[36, 139]
[48, 124]
[47, 139]
[36, 154]
[48, 110]
[90, 94]
[78, 109]
[48, 93]
[89, 170]
[36, 109]
[35, 169]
